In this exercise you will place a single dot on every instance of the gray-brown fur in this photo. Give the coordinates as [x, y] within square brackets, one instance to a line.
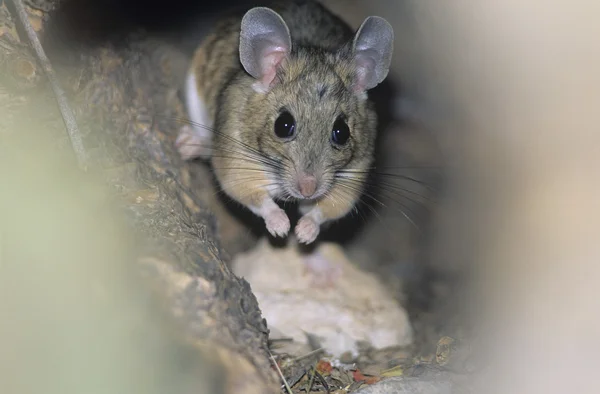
[315, 83]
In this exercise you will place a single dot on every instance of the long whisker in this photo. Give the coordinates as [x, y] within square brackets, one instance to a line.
[350, 186]
[247, 178]
[365, 178]
[221, 188]
[391, 188]
[245, 156]
[240, 150]
[375, 168]
[390, 191]
[385, 174]
[394, 186]
[360, 186]
[229, 138]
[214, 131]
[369, 206]
[337, 196]
[244, 169]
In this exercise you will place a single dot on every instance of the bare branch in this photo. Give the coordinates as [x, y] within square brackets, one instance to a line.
[63, 104]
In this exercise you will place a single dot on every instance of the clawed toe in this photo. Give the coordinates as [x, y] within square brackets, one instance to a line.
[307, 230]
[278, 224]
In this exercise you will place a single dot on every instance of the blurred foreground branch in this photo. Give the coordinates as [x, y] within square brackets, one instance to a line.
[61, 98]
[115, 277]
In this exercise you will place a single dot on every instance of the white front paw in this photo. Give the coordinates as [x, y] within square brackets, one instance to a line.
[278, 224]
[307, 230]
[190, 144]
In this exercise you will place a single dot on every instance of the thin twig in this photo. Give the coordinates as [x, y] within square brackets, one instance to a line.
[287, 386]
[312, 378]
[313, 352]
[63, 104]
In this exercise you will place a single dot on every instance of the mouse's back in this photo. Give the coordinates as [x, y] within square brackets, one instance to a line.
[312, 25]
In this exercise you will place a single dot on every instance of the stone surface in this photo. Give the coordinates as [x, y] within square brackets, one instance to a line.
[353, 307]
[408, 386]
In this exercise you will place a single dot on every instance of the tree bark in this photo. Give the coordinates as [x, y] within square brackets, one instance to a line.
[126, 104]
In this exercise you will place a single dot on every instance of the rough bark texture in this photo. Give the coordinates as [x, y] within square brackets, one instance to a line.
[126, 103]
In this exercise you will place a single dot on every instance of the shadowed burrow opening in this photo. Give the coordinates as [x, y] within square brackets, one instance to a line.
[384, 247]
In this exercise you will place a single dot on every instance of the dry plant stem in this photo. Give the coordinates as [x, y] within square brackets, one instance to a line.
[287, 386]
[66, 111]
[312, 378]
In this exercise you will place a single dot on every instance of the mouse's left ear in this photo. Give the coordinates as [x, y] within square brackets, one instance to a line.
[265, 42]
[372, 50]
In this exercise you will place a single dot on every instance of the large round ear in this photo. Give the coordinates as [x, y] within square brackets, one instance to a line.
[264, 43]
[372, 49]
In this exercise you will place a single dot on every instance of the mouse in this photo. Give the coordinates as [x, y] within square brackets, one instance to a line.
[278, 102]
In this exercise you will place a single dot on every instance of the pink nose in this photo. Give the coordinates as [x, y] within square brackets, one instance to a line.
[307, 184]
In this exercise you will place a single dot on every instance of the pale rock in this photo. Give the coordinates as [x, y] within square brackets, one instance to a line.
[355, 308]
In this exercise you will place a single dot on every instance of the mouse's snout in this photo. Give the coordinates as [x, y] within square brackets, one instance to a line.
[307, 185]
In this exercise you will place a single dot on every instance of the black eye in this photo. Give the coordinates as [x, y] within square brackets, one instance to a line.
[285, 125]
[341, 132]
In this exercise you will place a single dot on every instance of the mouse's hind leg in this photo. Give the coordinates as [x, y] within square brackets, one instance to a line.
[190, 144]
[195, 139]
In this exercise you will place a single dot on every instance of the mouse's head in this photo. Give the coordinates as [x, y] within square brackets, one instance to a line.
[310, 106]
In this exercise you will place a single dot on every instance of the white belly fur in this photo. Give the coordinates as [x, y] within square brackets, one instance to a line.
[196, 108]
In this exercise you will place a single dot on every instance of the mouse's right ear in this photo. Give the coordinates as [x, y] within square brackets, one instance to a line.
[264, 43]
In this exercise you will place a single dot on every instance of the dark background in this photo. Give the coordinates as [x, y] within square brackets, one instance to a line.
[90, 22]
